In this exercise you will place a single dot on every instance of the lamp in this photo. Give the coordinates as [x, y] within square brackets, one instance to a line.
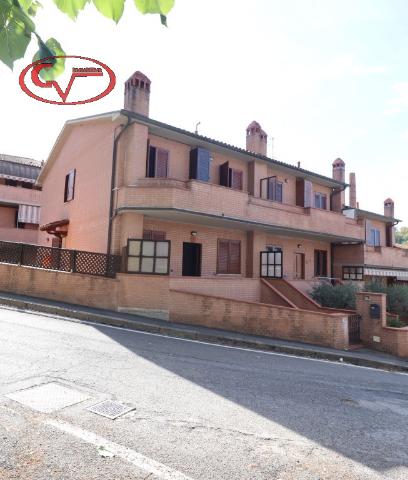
[193, 233]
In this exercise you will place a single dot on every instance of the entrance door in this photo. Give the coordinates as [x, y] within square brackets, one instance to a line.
[299, 266]
[191, 259]
[271, 263]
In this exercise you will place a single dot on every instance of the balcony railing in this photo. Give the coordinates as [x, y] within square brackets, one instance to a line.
[19, 195]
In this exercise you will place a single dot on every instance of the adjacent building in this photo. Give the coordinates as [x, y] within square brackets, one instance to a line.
[20, 199]
[177, 203]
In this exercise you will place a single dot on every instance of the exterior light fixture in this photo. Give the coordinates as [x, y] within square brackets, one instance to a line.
[193, 233]
[299, 245]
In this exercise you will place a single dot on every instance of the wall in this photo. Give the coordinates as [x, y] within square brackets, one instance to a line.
[88, 149]
[8, 217]
[259, 319]
[374, 332]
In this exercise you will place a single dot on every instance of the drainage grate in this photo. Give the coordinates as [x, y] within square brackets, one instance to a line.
[110, 409]
[48, 397]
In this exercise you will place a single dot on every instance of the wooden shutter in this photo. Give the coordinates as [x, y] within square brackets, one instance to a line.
[200, 164]
[324, 202]
[222, 256]
[308, 194]
[279, 192]
[162, 162]
[224, 174]
[234, 263]
[236, 179]
[368, 232]
[271, 188]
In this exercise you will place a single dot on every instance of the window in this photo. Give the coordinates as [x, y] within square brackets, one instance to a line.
[374, 237]
[230, 177]
[320, 200]
[320, 263]
[148, 256]
[271, 263]
[69, 186]
[200, 164]
[157, 162]
[154, 235]
[229, 256]
[11, 183]
[353, 273]
[271, 189]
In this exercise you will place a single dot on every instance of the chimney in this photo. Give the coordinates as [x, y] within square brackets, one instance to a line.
[339, 174]
[353, 191]
[137, 94]
[389, 208]
[256, 139]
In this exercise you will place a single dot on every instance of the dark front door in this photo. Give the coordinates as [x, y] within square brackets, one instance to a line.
[191, 259]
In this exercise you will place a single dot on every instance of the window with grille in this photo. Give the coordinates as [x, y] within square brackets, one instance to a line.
[271, 189]
[320, 200]
[353, 273]
[157, 162]
[271, 263]
[69, 186]
[148, 256]
[229, 256]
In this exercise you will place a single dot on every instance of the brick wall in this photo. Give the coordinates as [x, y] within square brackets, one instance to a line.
[259, 319]
[374, 332]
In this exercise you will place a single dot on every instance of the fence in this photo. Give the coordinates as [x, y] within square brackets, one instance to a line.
[74, 261]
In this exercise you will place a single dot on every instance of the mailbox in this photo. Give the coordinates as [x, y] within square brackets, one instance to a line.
[375, 310]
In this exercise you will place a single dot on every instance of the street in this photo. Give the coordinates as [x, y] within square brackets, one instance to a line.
[200, 411]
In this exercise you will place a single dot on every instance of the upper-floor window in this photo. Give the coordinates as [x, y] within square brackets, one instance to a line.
[69, 186]
[157, 162]
[271, 189]
[374, 237]
[200, 164]
[231, 177]
[320, 200]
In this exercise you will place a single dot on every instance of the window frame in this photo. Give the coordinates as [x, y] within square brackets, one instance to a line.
[320, 199]
[141, 256]
[317, 254]
[67, 180]
[151, 165]
[376, 232]
[269, 253]
[269, 190]
[350, 272]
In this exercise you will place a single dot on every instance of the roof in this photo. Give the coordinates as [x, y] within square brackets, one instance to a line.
[373, 215]
[184, 136]
[19, 168]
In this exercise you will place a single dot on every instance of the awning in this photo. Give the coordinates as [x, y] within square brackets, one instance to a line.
[29, 214]
[380, 272]
[58, 228]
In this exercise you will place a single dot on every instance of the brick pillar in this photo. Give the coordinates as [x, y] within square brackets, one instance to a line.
[371, 328]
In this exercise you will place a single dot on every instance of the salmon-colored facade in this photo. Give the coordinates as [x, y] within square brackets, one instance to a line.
[223, 211]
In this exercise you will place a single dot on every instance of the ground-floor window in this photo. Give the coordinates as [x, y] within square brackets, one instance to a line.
[320, 257]
[271, 263]
[148, 256]
[229, 256]
[353, 273]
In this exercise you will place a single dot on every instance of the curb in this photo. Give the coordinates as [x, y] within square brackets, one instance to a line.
[199, 334]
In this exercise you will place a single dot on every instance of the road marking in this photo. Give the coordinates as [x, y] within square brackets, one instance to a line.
[141, 461]
[218, 345]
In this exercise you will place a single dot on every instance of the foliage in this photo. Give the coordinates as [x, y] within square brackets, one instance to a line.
[395, 322]
[397, 297]
[17, 27]
[338, 296]
[401, 236]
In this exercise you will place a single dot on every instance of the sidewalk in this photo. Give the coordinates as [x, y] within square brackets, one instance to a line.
[363, 356]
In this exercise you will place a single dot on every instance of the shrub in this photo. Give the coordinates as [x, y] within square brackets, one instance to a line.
[397, 297]
[338, 296]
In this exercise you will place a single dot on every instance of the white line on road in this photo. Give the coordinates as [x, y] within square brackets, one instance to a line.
[141, 461]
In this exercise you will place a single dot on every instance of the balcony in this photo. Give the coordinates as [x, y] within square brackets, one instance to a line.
[22, 235]
[19, 195]
[199, 202]
[386, 257]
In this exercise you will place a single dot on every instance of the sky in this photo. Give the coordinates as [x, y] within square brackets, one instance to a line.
[324, 78]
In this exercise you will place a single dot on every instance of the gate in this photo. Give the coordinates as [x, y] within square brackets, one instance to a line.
[354, 328]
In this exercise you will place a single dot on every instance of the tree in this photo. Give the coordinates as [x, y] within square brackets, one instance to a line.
[401, 236]
[17, 27]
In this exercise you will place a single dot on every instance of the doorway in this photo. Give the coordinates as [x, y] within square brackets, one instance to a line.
[191, 259]
[299, 266]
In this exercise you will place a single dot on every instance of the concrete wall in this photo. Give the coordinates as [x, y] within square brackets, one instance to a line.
[374, 332]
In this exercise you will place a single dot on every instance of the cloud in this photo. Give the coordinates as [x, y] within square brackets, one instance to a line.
[400, 100]
[347, 65]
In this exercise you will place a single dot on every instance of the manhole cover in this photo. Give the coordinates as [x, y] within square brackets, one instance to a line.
[48, 397]
[110, 409]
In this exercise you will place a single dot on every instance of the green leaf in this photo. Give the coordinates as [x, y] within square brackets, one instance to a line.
[30, 6]
[112, 9]
[15, 32]
[161, 7]
[71, 7]
[53, 47]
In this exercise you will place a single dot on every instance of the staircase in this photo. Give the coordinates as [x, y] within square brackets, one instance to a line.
[291, 295]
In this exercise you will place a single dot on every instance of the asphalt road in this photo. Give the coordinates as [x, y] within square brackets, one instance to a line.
[201, 411]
